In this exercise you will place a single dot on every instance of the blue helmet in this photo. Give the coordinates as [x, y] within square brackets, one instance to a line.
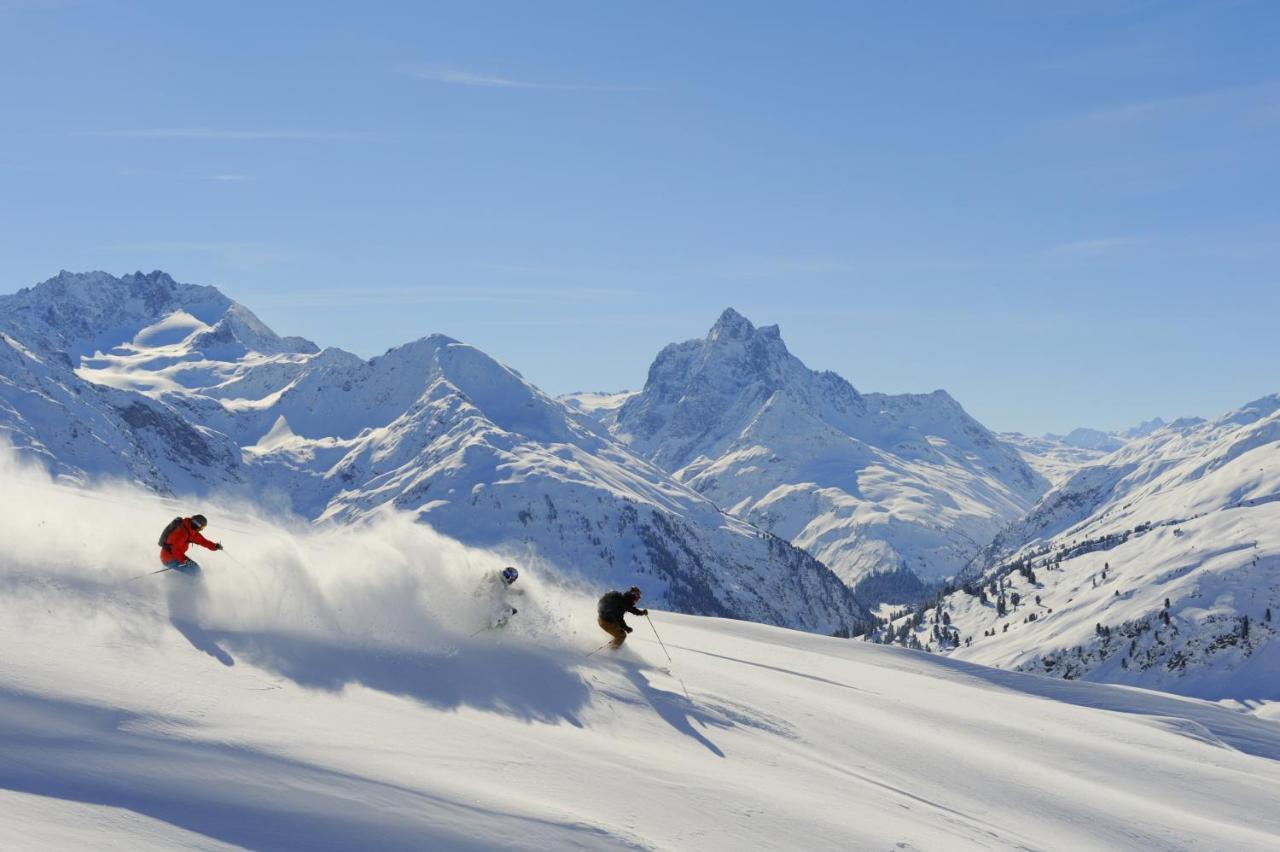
[509, 575]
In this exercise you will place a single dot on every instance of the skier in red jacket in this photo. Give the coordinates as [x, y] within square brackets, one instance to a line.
[180, 534]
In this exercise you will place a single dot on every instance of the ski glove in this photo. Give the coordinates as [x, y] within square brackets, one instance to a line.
[217, 546]
[644, 612]
[628, 629]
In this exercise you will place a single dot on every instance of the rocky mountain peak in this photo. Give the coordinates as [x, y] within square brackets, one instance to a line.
[83, 312]
[79, 312]
[154, 289]
[735, 354]
[731, 325]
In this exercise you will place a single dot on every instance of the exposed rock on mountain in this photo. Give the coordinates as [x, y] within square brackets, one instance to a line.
[867, 483]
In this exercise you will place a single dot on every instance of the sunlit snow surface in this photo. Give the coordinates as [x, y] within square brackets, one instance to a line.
[321, 690]
[1052, 458]
[1155, 566]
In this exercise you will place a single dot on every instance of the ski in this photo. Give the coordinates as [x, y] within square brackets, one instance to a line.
[148, 574]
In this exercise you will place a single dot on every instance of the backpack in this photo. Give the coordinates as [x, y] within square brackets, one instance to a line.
[168, 531]
[611, 605]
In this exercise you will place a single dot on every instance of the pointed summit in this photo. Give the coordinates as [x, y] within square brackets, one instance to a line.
[734, 326]
[731, 324]
[744, 354]
[704, 388]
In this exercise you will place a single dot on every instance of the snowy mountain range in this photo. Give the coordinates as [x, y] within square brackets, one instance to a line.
[183, 390]
[888, 491]
[1157, 566]
[1057, 457]
[737, 482]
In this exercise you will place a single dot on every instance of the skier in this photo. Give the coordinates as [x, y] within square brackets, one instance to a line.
[612, 608]
[180, 534]
[499, 587]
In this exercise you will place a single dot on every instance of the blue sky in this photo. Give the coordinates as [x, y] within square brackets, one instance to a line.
[1062, 213]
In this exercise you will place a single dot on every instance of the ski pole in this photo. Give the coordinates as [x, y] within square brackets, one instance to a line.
[668, 653]
[660, 642]
[597, 650]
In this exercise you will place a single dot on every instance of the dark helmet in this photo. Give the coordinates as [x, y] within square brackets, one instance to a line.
[509, 575]
[199, 521]
[634, 593]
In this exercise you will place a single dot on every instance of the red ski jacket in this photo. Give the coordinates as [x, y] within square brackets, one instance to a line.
[182, 537]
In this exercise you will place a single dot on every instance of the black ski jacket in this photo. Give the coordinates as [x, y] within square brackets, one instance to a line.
[614, 605]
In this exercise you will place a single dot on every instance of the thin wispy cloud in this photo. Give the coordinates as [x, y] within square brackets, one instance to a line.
[463, 77]
[454, 294]
[221, 135]
[1093, 248]
[1257, 102]
[214, 177]
[39, 5]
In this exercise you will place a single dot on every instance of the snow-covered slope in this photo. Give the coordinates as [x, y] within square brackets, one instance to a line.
[1058, 457]
[74, 427]
[867, 483]
[49, 332]
[182, 389]
[1052, 457]
[1159, 567]
[1085, 438]
[319, 692]
[601, 405]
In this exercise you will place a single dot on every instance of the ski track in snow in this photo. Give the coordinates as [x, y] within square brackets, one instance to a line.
[320, 692]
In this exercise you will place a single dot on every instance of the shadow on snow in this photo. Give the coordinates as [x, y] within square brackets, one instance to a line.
[527, 683]
[86, 753]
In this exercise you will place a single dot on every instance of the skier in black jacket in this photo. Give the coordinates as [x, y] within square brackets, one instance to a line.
[612, 609]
